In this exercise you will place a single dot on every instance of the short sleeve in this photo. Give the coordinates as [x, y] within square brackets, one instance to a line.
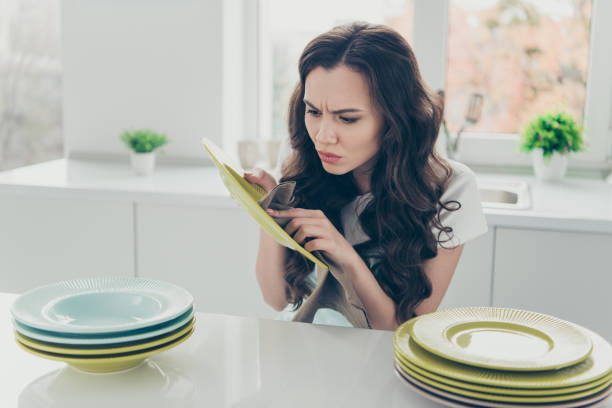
[468, 221]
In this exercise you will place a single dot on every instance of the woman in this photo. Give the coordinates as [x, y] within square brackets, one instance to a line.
[371, 192]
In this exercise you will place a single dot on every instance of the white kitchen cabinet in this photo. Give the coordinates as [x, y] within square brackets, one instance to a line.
[210, 251]
[564, 274]
[45, 239]
[471, 283]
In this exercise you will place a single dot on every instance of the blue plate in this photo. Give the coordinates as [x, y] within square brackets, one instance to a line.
[104, 338]
[108, 304]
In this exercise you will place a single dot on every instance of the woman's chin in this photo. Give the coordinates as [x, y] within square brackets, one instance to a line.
[335, 169]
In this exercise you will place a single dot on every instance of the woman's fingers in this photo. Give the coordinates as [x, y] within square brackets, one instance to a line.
[317, 245]
[296, 212]
[308, 231]
[261, 177]
[295, 223]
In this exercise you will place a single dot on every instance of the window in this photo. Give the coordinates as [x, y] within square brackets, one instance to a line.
[287, 27]
[524, 57]
[30, 82]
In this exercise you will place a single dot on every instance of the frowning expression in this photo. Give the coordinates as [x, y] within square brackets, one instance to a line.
[342, 120]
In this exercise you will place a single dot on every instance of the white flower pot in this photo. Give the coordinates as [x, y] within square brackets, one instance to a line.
[143, 163]
[548, 168]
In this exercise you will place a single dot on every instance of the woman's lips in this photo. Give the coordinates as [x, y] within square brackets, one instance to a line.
[329, 157]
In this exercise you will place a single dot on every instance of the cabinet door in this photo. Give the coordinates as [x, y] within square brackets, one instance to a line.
[43, 240]
[471, 283]
[210, 251]
[564, 274]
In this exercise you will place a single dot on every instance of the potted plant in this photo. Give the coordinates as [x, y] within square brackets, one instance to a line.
[550, 138]
[143, 144]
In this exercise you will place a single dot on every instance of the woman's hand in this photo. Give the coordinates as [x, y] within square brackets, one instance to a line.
[315, 232]
[261, 177]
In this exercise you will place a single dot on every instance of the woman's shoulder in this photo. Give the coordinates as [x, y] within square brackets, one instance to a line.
[466, 220]
[461, 182]
[461, 171]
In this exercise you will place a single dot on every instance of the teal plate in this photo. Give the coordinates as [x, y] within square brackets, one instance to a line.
[93, 339]
[107, 304]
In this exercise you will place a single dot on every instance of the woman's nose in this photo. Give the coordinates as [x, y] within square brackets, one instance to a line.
[326, 134]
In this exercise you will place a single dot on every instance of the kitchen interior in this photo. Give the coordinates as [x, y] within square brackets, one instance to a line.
[76, 74]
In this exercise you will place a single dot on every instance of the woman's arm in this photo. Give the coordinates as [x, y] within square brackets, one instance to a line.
[270, 266]
[380, 308]
[270, 271]
[439, 270]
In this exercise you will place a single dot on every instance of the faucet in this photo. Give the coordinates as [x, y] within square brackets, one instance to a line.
[472, 116]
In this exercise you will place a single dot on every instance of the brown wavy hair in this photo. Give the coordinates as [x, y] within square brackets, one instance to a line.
[408, 177]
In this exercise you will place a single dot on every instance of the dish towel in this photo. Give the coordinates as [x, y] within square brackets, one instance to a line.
[334, 287]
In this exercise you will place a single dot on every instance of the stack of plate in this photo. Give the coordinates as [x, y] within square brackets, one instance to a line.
[103, 324]
[496, 357]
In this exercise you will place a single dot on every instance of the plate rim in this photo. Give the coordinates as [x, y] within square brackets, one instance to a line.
[100, 349]
[508, 365]
[402, 361]
[27, 308]
[526, 379]
[509, 398]
[463, 401]
[80, 341]
[68, 358]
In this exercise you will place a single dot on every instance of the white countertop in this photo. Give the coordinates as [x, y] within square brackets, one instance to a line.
[570, 205]
[228, 362]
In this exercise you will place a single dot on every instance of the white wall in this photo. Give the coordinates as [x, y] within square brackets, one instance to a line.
[141, 64]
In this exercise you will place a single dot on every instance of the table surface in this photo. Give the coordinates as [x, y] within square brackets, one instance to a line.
[229, 361]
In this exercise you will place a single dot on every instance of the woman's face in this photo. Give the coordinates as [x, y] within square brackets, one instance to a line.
[341, 120]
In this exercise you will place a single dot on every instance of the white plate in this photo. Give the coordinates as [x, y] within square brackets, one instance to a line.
[101, 305]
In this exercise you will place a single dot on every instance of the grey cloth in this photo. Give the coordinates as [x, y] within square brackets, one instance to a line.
[334, 287]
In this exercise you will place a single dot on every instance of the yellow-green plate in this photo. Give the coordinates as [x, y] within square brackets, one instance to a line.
[403, 363]
[595, 367]
[100, 349]
[505, 398]
[107, 363]
[458, 401]
[248, 195]
[501, 338]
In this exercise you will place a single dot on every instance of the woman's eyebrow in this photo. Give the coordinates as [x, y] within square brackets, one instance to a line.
[348, 110]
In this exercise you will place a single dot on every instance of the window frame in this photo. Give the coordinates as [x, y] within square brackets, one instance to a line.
[478, 149]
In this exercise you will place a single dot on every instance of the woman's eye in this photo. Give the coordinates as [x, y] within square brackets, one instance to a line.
[312, 112]
[348, 120]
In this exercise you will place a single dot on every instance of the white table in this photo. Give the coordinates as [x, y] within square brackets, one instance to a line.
[228, 362]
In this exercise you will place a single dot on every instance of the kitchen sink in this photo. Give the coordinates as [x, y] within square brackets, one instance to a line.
[504, 195]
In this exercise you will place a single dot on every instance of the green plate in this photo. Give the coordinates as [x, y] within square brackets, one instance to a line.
[458, 401]
[248, 195]
[402, 362]
[101, 349]
[595, 367]
[501, 338]
[109, 362]
[505, 398]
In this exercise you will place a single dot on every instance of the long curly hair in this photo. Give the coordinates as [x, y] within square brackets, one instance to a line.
[408, 177]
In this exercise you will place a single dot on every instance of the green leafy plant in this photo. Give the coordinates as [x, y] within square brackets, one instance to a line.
[552, 132]
[143, 141]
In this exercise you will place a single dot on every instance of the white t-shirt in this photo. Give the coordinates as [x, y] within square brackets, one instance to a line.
[468, 222]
